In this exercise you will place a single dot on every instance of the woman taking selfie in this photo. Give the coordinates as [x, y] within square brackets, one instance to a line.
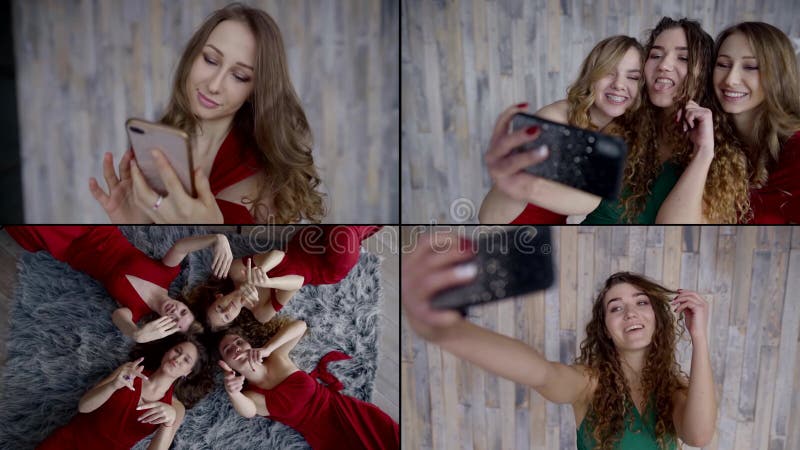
[626, 389]
[608, 86]
[137, 399]
[137, 282]
[250, 138]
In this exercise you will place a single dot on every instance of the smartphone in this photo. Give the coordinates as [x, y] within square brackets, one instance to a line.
[174, 143]
[511, 262]
[587, 160]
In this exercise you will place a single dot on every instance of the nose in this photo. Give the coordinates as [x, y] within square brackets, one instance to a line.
[617, 83]
[216, 82]
[666, 64]
[732, 78]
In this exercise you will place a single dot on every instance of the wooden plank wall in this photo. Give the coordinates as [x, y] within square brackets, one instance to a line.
[85, 66]
[465, 61]
[751, 276]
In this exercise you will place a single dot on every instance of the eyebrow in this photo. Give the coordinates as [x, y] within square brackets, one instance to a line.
[743, 57]
[662, 48]
[223, 54]
[619, 299]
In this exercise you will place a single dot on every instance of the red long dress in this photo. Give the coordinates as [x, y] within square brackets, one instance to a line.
[112, 426]
[103, 253]
[327, 419]
[236, 160]
[778, 201]
[533, 215]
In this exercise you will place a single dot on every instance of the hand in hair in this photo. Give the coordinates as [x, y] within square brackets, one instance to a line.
[118, 203]
[157, 413]
[177, 206]
[699, 123]
[233, 383]
[126, 373]
[223, 257]
[157, 329]
[695, 312]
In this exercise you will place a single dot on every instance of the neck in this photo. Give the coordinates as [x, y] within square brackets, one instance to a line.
[159, 381]
[744, 124]
[210, 134]
[632, 362]
[259, 377]
[599, 118]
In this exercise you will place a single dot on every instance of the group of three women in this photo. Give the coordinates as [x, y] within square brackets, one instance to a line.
[713, 131]
[136, 400]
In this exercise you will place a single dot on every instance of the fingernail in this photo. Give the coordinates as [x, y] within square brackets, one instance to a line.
[532, 129]
[522, 105]
[466, 271]
[542, 151]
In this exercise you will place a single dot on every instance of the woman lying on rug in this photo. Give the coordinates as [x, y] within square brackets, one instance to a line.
[136, 281]
[314, 255]
[279, 390]
[137, 399]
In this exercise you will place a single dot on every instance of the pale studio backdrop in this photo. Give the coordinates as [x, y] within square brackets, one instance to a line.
[465, 61]
[85, 66]
[750, 276]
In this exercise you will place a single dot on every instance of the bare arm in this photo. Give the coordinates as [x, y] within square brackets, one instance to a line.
[97, 395]
[286, 339]
[164, 435]
[187, 245]
[695, 415]
[272, 259]
[123, 319]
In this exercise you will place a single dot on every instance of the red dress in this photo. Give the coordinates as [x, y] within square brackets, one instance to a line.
[323, 254]
[327, 419]
[533, 215]
[103, 253]
[235, 161]
[779, 200]
[112, 426]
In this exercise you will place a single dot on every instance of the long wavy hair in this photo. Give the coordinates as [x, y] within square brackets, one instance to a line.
[272, 120]
[254, 332]
[600, 62]
[725, 193]
[200, 296]
[777, 118]
[661, 375]
[195, 386]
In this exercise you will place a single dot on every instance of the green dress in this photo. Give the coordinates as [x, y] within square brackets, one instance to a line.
[639, 434]
[609, 212]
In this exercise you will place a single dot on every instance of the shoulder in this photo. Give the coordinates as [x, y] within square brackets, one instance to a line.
[790, 151]
[557, 111]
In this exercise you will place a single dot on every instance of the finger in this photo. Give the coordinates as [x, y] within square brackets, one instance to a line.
[145, 196]
[435, 250]
[108, 171]
[678, 115]
[169, 177]
[150, 415]
[172, 330]
[224, 366]
[125, 165]
[501, 126]
[249, 270]
[138, 361]
[513, 164]
[203, 187]
[445, 279]
[504, 144]
[98, 193]
[226, 270]
[147, 405]
[252, 361]
[240, 356]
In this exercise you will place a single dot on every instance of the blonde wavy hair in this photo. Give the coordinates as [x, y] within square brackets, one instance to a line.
[777, 118]
[661, 375]
[272, 120]
[600, 62]
[726, 195]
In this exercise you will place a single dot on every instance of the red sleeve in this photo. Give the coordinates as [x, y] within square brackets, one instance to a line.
[779, 200]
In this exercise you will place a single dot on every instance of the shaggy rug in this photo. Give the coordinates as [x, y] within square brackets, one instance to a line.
[62, 341]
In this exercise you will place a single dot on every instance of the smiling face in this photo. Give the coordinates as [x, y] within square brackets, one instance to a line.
[737, 81]
[179, 312]
[629, 317]
[221, 77]
[617, 91]
[666, 66]
[224, 309]
[179, 360]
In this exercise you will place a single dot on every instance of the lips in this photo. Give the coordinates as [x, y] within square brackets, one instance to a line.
[733, 96]
[205, 101]
[616, 99]
[663, 84]
[634, 327]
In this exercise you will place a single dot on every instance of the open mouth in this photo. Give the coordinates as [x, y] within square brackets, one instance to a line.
[663, 83]
[733, 96]
[616, 99]
[635, 327]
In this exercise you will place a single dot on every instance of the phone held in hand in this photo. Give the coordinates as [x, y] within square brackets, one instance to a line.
[587, 160]
[510, 262]
[173, 143]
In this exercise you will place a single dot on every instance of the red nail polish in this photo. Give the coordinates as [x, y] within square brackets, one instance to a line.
[522, 105]
[532, 129]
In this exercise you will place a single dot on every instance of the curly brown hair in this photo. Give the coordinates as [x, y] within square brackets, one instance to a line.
[195, 386]
[661, 375]
[200, 296]
[253, 331]
[726, 195]
[272, 120]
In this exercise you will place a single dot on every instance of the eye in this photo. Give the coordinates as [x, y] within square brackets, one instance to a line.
[683, 58]
[751, 67]
[724, 65]
[643, 302]
[654, 56]
[616, 308]
[241, 78]
[634, 77]
[209, 60]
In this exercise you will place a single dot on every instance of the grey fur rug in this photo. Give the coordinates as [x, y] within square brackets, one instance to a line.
[62, 341]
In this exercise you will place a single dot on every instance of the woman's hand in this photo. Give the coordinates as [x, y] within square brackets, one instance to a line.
[177, 206]
[436, 263]
[233, 383]
[249, 296]
[255, 275]
[254, 356]
[157, 413]
[223, 257]
[126, 373]
[698, 121]
[118, 203]
[695, 312]
[507, 169]
[157, 329]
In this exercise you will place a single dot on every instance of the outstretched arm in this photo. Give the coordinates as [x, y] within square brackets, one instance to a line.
[222, 252]
[102, 391]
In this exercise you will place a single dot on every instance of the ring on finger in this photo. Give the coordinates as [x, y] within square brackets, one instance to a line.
[158, 202]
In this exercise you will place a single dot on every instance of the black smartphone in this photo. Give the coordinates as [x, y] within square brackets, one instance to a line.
[510, 261]
[587, 160]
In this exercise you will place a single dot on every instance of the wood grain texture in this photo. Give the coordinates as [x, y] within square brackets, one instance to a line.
[750, 276]
[465, 61]
[85, 66]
